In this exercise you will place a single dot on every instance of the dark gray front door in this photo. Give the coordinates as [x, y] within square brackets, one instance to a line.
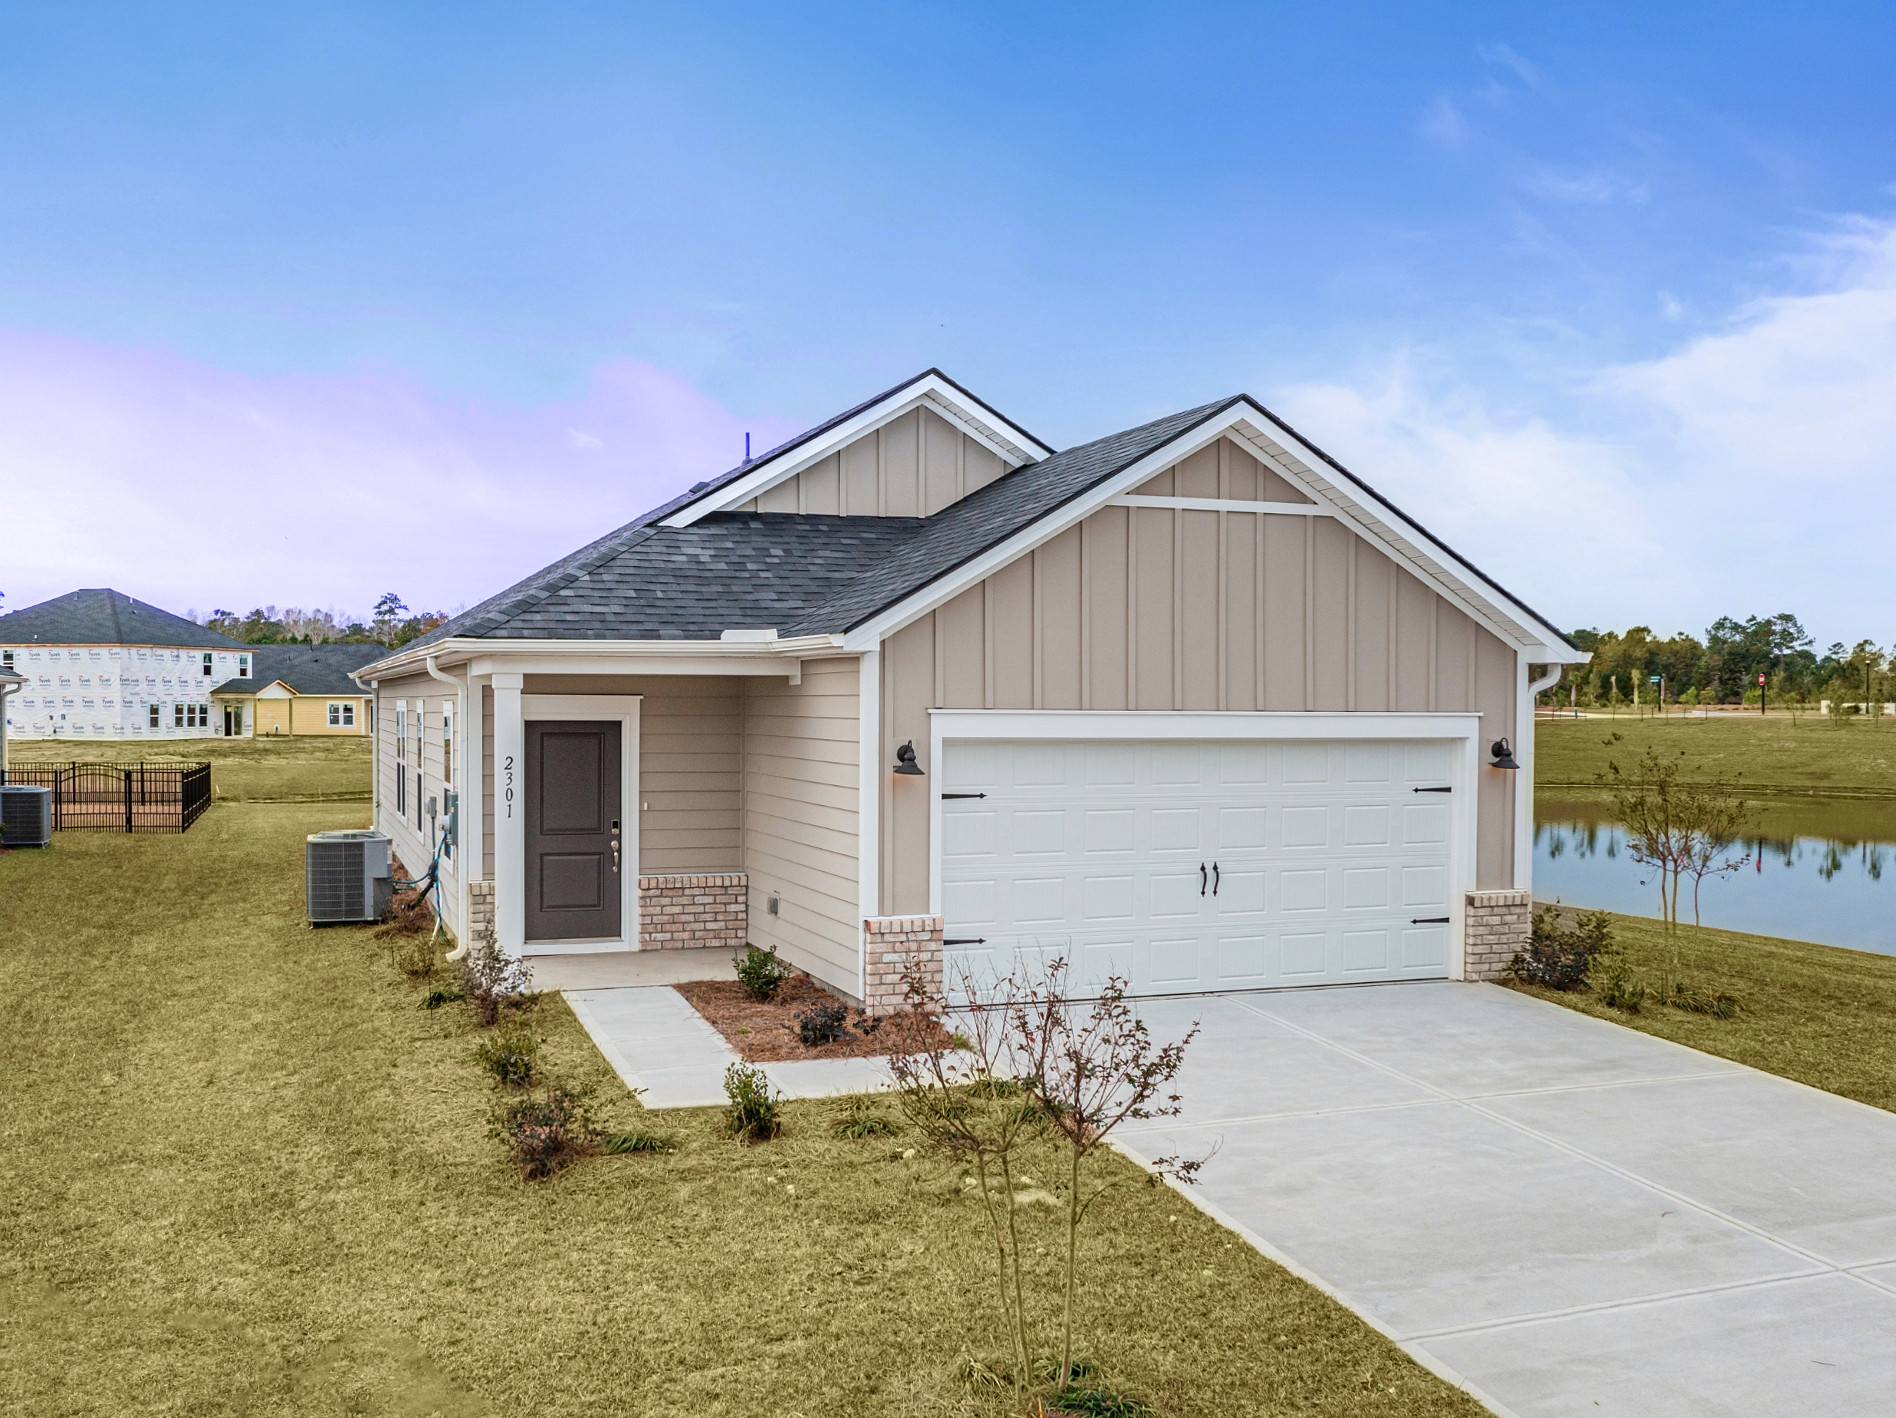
[574, 885]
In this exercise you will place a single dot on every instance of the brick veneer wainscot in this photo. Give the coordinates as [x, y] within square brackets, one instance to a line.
[694, 912]
[1496, 928]
[480, 910]
[896, 947]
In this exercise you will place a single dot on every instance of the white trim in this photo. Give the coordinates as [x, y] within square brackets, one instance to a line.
[1497, 614]
[1011, 444]
[510, 826]
[523, 656]
[1460, 731]
[1214, 504]
[1522, 740]
[624, 708]
[869, 807]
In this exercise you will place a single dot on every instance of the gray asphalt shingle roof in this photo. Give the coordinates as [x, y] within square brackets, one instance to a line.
[801, 575]
[307, 669]
[102, 616]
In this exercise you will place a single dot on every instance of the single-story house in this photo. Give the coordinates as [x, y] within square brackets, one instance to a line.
[100, 664]
[298, 689]
[1191, 703]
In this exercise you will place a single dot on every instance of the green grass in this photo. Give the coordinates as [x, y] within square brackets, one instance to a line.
[1816, 1013]
[311, 769]
[244, 1173]
[1849, 757]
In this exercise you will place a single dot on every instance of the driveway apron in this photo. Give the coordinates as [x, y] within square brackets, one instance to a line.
[1564, 1216]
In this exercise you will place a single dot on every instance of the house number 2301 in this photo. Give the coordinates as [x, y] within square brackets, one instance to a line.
[507, 767]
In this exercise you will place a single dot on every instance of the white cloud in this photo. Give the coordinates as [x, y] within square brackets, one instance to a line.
[1585, 188]
[1442, 121]
[1504, 56]
[1751, 470]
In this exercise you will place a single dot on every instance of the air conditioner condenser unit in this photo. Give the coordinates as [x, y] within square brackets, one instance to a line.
[348, 876]
[26, 812]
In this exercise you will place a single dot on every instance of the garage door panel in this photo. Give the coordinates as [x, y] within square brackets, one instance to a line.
[1092, 852]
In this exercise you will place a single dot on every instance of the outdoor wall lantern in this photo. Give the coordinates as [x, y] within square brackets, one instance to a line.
[1503, 755]
[905, 763]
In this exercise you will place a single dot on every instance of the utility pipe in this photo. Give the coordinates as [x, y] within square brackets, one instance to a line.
[460, 870]
[8, 688]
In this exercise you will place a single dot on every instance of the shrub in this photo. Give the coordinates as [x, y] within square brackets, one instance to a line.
[1717, 1004]
[1616, 985]
[493, 982]
[760, 971]
[547, 1131]
[752, 1114]
[822, 1023]
[1095, 1398]
[859, 1118]
[1560, 956]
[437, 998]
[416, 956]
[509, 1053]
[623, 1142]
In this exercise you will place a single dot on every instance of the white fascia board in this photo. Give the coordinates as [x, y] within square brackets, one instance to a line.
[1219, 504]
[616, 657]
[1246, 422]
[1012, 445]
[948, 725]
[1538, 641]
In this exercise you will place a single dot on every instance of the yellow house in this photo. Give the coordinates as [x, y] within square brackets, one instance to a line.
[298, 689]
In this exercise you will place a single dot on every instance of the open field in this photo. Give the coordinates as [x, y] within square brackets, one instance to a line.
[244, 1173]
[1815, 1013]
[242, 770]
[1850, 757]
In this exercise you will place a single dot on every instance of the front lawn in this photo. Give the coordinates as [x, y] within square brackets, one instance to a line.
[243, 1172]
[1816, 1013]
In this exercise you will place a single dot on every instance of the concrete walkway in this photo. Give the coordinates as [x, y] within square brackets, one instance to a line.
[1566, 1216]
[665, 1051]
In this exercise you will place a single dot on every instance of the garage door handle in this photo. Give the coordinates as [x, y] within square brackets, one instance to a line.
[966, 940]
[1201, 878]
[1428, 920]
[1214, 878]
[946, 796]
[1431, 790]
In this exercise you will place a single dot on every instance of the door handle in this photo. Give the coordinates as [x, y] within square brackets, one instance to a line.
[1428, 920]
[1201, 878]
[1214, 878]
[615, 856]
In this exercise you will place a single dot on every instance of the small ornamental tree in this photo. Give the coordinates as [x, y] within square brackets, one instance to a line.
[1093, 1065]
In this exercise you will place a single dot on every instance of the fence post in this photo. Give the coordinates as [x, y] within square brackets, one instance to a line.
[128, 800]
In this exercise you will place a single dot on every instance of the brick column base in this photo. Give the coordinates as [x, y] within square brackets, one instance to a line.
[896, 947]
[698, 912]
[1495, 929]
[480, 910]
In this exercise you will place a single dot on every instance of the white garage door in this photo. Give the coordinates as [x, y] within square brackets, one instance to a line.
[1198, 866]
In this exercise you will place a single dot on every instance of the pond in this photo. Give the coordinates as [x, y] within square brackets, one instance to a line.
[1818, 869]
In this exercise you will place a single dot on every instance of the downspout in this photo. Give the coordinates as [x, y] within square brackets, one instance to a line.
[1524, 779]
[460, 869]
[7, 691]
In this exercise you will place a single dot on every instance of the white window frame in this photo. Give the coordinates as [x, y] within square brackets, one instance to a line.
[207, 664]
[1461, 731]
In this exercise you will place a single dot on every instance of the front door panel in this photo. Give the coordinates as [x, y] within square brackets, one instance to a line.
[575, 881]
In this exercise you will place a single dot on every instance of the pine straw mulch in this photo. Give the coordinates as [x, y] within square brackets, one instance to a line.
[765, 1031]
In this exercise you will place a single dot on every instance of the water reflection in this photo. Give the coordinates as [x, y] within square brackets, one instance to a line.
[1812, 871]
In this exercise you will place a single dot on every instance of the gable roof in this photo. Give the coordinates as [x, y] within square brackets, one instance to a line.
[306, 669]
[827, 575]
[101, 616]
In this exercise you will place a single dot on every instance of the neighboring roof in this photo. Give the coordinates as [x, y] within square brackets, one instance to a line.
[102, 616]
[817, 575]
[307, 669]
[11, 676]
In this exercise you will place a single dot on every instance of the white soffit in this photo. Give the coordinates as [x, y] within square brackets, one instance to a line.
[1012, 445]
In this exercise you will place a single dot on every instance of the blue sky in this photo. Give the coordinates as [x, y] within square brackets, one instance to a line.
[421, 297]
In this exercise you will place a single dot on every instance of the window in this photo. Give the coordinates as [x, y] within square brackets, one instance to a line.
[207, 662]
[177, 716]
[6, 658]
[342, 716]
[401, 759]
[243, 667]
[154, 716]
[416, 726]
[447, 742]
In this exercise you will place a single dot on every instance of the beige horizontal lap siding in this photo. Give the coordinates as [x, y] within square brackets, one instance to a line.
[912, 466]
[690, 749]
[411, 843]
[801, 818]
[1162, 608]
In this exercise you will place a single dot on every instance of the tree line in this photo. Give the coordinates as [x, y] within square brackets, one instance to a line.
[391, 623]
[1723, 668]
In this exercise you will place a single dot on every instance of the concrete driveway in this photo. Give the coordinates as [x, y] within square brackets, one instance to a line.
[1565, 1216]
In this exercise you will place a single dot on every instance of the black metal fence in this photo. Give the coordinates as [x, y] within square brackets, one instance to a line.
[116, 797]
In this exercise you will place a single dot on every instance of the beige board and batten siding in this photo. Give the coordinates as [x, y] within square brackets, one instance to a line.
[802, 818]
[690, 780]
[1163, 608]
[912, 466]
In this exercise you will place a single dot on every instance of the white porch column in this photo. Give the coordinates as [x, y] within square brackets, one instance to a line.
[510, 816]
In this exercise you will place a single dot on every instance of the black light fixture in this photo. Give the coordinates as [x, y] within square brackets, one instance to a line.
[905, 763]
[1503, 755]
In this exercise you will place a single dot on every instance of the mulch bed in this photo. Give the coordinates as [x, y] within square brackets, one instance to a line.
[765, 1031]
